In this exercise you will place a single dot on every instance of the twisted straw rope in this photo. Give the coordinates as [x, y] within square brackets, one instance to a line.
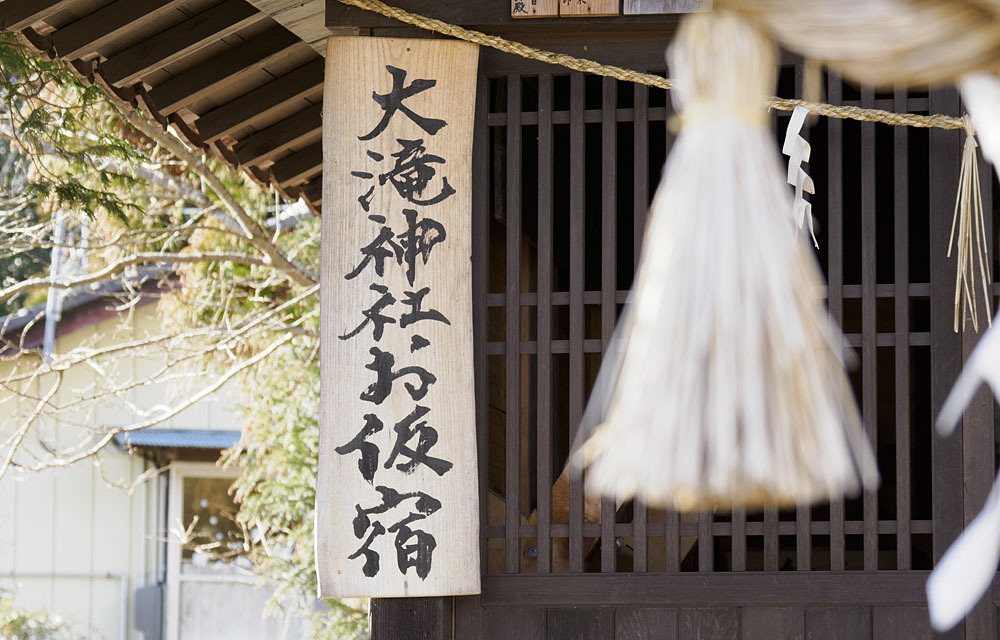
[630, 75]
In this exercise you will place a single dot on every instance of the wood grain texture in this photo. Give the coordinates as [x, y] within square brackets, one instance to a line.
[646, 623]
[411, 618]
[227, 69]
[513, 624]
[947, 472]
[710, 623]
[897, 623]
[837, 623]
[534, 8]
[588, 8]
[358, 68]
[787, 623]
[469, 616]
[638, 7]
[166, 47]
[581, 624]
[262, 101]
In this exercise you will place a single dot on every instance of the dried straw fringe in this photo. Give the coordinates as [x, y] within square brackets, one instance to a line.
[971, 241]
[724, 384]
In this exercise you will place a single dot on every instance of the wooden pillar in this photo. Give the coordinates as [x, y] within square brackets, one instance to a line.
[946, 345]
[977, 428]
[411, 618]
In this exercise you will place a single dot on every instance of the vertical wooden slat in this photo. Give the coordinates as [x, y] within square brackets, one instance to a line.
[673, 540]
[869, 361]
[835, 271]
[576, 272]
[640, 170]
[513, 328]
[544, 358]
[640, 163]
[739, 539]
[770, 539]
[480, 286]
[901, 231]
[947, 498]
[803, 539]
[706, 546]
[609, 184]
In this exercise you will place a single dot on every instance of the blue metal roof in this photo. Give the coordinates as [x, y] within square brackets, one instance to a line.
[179, 438]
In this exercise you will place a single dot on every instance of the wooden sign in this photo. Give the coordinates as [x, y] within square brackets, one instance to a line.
[633, 7]
[397, 509]
[534, 8]
[588, 7]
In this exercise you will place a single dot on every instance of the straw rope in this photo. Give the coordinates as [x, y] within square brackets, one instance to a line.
[630, 75]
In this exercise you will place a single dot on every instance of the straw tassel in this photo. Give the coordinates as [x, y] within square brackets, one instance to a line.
[724, 384]
[970, 242]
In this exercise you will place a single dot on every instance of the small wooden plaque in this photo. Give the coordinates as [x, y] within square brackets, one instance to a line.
[534, 8]
[588, 7]
[638, 7]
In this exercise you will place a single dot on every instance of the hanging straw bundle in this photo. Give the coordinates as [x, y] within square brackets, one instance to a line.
[726, 384]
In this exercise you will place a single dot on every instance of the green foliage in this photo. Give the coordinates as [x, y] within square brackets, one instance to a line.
[133, 196]
[70, 132]
[17, 624]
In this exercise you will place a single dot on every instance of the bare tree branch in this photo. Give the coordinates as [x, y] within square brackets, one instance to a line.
[119, 266]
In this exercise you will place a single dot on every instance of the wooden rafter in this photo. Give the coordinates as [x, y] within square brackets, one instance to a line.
[93, 31]
[128, 66]
[227, 68]
[269, 142]
[298, 166]
[229, 117]
[312, 191]
[18, 14]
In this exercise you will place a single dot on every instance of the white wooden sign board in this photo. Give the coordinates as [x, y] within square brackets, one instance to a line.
[397, 508]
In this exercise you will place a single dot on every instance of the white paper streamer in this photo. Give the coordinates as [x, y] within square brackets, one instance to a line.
[966, 570]
[798, 151]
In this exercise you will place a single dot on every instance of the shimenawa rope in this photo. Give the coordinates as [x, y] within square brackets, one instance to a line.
[630, 75]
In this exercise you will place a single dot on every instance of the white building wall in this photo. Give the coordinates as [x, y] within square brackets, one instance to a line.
[71, 544]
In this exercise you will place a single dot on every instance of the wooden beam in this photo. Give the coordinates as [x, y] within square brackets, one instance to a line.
[269, 142]
[312, 191]
[291, 86]
[639, 7]
[95, 30]
[128, 66]
[229, 67]
[18, 14]
[697, 589]
[304, 18]
[298, 166]
[494, 17]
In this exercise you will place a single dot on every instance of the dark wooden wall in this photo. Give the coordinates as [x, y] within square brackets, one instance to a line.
[564, 168]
